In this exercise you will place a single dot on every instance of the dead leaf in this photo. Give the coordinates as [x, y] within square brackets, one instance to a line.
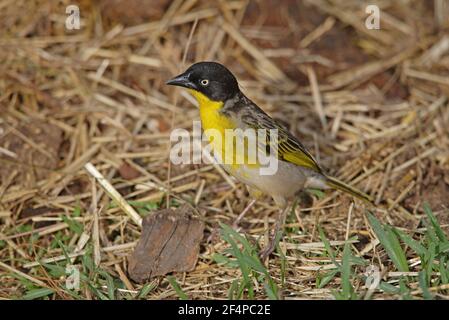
[128, 172]
[169, 243]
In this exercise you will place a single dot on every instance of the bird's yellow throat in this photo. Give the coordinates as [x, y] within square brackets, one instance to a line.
[212, 118]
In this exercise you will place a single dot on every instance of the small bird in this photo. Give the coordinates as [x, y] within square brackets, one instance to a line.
[223, 106]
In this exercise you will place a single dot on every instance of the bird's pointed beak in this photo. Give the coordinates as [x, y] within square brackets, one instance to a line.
[181, 81]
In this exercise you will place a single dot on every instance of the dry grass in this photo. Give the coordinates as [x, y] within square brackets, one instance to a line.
[370, 104]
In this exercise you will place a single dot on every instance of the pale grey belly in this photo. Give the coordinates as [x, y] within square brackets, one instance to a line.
[287, 181]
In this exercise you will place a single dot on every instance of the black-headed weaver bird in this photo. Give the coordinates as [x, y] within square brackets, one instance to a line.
[223, 106]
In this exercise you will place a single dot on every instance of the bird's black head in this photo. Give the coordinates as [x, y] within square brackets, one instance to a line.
[212, 79]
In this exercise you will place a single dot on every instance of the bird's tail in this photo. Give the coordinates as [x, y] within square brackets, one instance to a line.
[337, 184]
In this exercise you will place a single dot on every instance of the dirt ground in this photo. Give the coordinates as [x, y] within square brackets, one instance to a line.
[371, 105]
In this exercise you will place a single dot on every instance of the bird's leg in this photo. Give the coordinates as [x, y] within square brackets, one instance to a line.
[236, 223]
[269, 248]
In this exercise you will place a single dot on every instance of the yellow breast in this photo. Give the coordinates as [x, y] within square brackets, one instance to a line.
[213, 123]
[211, 117]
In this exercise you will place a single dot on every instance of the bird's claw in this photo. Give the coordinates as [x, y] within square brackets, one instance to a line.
[268, 250]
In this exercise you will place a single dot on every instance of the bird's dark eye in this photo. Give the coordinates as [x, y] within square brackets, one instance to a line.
[204, 82]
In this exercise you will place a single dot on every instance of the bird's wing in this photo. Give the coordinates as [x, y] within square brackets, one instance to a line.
[289, 148]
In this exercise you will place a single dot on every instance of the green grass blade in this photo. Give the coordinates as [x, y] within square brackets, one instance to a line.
[428, 264]
[390, 242]
[424, 286]
[346, 272]
[327, 277]
[146, 289]
[37, 293]
[175, 285]
[444, 247]
[220, 259]
[444, 269]
[231, 232]
[74, 226]
[111, 286]
[230, 235]
[232, 289]
[389, 288]
[328, 247]
[248, 261]
[397, 249]
[318, 193]
[404, 290]
[55, 270]
[97, 292]
[412, 243]
[358, 261]
[255, 264]
[271, 292]
[436, 226]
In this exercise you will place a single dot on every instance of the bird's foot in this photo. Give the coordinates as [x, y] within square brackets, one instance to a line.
[268, 249]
